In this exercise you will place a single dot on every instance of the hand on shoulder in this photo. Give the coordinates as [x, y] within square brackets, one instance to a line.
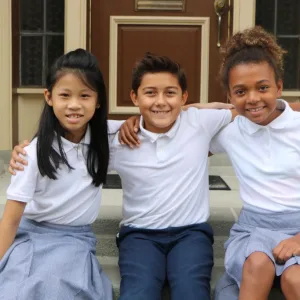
[16, 161]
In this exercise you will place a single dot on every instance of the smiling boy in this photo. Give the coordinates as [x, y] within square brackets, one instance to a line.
[164, 233]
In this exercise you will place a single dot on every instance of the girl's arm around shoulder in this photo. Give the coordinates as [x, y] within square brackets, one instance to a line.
[295, 106]
[9, 224]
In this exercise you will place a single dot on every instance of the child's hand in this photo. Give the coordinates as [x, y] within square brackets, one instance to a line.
[128, 132]
[286, 249]
[16, 158]
[211, 105]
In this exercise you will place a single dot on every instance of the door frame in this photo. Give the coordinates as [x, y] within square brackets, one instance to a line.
[157, 20]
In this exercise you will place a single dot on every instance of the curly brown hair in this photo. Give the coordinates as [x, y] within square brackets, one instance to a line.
[253, 45]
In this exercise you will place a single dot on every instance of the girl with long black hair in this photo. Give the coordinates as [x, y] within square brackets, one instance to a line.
[47, 248]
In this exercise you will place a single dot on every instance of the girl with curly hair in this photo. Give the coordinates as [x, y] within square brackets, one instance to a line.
[263, 144]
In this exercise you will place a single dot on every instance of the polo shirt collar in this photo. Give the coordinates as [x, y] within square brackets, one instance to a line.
[279, 123]
[68, 146]
[154, 136]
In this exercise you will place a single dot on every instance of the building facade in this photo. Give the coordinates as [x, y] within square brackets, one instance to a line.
[113, 37]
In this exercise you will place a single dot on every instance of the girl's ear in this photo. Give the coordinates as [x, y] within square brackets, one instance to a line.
[279, 88]
[47, 96]
[133, 97]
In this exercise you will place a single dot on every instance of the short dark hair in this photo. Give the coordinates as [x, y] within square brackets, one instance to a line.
[253, 45]
[84, 65]
[152, 63]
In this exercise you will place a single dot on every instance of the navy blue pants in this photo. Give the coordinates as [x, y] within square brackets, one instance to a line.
[183, 256]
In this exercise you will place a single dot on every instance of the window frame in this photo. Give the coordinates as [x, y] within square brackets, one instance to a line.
[18, 34]
[295, 92]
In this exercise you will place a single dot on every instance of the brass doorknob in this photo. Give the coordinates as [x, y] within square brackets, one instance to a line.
[220, 6]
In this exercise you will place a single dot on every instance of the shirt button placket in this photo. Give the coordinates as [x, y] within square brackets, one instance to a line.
[268, 144]
[159, 149]
[83, 166]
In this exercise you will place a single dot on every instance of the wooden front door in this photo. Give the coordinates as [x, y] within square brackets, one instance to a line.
[185, 30]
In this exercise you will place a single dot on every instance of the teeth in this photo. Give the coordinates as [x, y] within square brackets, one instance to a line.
[73, 116]
[255, 109]
[160, 112]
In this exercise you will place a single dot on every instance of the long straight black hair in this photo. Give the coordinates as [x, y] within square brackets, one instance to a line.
[84, 65]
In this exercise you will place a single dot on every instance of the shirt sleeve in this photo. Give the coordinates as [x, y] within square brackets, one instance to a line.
[114, 126]
[23, 185]
[216, 144]
[212, 120]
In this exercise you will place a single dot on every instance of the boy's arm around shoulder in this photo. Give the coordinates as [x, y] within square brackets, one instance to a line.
[16, 161]
[9, 224]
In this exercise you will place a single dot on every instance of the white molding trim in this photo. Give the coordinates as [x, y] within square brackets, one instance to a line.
[22, 91]
[243, 14]
[291, 93]
[75, 24]
[149, 20]
[6, 75]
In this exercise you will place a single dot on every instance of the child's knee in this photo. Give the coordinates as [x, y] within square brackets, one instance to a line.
[290, 278]
[258, 262]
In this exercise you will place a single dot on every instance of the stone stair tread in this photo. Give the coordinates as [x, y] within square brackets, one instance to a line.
[221, 170]
[2, 167]
[220, 159]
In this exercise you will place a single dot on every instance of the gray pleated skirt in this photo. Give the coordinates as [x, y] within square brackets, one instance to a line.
[53, 262]
[259, 232]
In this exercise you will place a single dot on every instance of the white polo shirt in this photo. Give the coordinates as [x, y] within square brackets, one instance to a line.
[71, 199]
[266, 160]
[165, 180]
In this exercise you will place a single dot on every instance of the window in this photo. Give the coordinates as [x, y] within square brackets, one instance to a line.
[282, 18]
[41, 39]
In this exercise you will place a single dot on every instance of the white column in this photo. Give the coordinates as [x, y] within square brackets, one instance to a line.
[243, 14]
[75, 24]
[5, 75]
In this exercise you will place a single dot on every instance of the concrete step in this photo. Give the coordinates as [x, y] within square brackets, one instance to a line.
[106, 245]
[110, 267]
[221, 159]
[2, 169]
[221, 170]
[5, 155]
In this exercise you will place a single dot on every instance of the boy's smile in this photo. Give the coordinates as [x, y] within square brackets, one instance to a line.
[159, 98]
[253, 91]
